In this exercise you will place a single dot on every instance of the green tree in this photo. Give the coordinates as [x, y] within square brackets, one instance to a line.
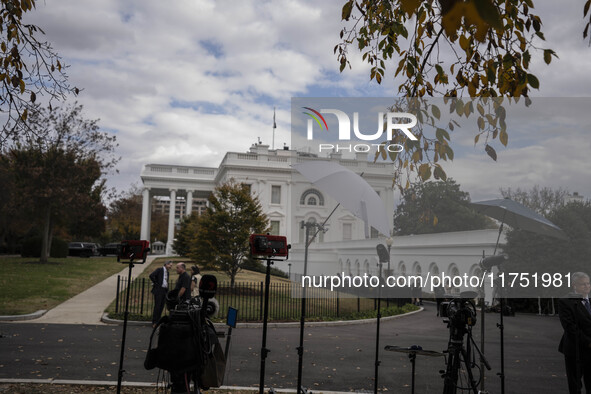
[543, 200]
[436, 207]
[185, 236]
[124, 219]
[221, 233]
[58, 179]
[530, 252]
[449, 48]
[30, 68]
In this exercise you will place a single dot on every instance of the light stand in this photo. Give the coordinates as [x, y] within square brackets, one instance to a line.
[383, 256]
[500, 324]
[487, 264]
[308, 241]
[264, 350]
[125, 316]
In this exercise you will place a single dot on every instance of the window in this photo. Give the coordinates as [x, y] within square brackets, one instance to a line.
[247, 187]
[275, 194]
[347, 231]
[274, 227]
[312, 197]
[374, 233]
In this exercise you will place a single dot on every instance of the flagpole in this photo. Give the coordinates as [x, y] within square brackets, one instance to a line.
[274, 127]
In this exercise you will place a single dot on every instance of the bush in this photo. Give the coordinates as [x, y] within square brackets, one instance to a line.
[59, 248]
[32, 248]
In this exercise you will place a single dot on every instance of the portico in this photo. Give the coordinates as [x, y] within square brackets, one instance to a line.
[285, 196]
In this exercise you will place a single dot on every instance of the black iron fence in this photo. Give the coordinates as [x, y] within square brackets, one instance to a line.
[248, 299]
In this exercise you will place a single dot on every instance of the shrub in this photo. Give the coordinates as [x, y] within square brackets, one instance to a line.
[32, 248]
[59, 248]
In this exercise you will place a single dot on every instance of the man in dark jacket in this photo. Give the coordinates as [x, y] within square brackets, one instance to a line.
[575, 317]
[159, 280]
[183, 283]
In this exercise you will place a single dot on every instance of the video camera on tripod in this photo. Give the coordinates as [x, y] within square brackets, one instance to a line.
[460, 316]
[187, 340]
[459, 312]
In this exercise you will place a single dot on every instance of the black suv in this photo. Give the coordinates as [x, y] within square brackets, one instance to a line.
[82, 249]
[109, 249]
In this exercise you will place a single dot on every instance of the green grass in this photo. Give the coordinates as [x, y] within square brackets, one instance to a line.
[322, 304]
[27, 285]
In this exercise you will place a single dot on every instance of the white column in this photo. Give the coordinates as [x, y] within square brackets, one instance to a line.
[189, 207]
[289, 212]
[171, 221]
[145, 226]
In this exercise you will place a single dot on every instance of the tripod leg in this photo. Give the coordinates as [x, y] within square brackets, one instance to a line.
[451, 373]
[473, 386]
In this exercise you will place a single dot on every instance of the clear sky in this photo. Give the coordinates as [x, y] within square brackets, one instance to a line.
[183, 82]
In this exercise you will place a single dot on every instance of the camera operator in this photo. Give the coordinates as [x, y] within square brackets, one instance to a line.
[575, 316]
[183, 283]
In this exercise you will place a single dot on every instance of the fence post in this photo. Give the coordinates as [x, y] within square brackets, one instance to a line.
[142, 299]
[117, 294]
[262, 298]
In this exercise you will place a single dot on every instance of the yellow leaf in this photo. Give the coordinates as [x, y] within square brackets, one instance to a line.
[504, 137]
[410, 6]
[435, 220]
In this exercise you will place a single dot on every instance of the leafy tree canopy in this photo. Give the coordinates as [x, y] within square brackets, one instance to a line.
[124, 219]
[29, 69]
[530, 252]
[220, 235]
[436, 207]
[58, 177]
[543, 200]
[449, 48]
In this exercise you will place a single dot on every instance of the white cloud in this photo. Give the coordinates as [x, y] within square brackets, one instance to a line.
[183, 82]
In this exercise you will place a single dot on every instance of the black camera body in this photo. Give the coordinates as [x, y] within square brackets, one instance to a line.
[269, 245]
[460, 312]
[187, 340]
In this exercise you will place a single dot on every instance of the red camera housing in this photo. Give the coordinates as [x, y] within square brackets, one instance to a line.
[133, 250]
[269, 245]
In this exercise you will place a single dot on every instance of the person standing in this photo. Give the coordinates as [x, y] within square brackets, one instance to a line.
[575, 316]
[183, 283]
[195, 278]
[159, 278]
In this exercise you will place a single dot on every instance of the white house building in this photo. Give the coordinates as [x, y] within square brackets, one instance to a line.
[288, 199]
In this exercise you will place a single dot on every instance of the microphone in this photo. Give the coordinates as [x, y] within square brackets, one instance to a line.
[383, 254]
[492, 261]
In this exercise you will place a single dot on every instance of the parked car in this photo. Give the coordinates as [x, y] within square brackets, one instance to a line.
[109, 249]
[82, 249]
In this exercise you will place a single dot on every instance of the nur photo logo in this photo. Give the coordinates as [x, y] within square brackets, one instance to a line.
[347, 130]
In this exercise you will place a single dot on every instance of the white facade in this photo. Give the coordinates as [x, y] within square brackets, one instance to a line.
[450, 254]
[286, 197]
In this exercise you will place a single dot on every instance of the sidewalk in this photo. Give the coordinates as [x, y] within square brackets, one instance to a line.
[88, 307]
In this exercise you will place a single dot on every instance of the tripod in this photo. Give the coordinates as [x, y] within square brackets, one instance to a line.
[462, 316]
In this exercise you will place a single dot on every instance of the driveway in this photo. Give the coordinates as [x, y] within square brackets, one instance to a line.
[337, 358]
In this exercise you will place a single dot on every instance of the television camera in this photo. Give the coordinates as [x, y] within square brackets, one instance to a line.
[460, 316]
[187, 343]
[269, 245]
[132, 250]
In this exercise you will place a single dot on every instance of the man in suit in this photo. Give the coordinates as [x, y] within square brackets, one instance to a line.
[159, 280]
[575, 316]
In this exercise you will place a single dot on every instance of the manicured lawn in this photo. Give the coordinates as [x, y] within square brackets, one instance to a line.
[27, 285]
[247, 297]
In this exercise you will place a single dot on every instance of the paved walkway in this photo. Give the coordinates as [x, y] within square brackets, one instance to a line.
[88, 307]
